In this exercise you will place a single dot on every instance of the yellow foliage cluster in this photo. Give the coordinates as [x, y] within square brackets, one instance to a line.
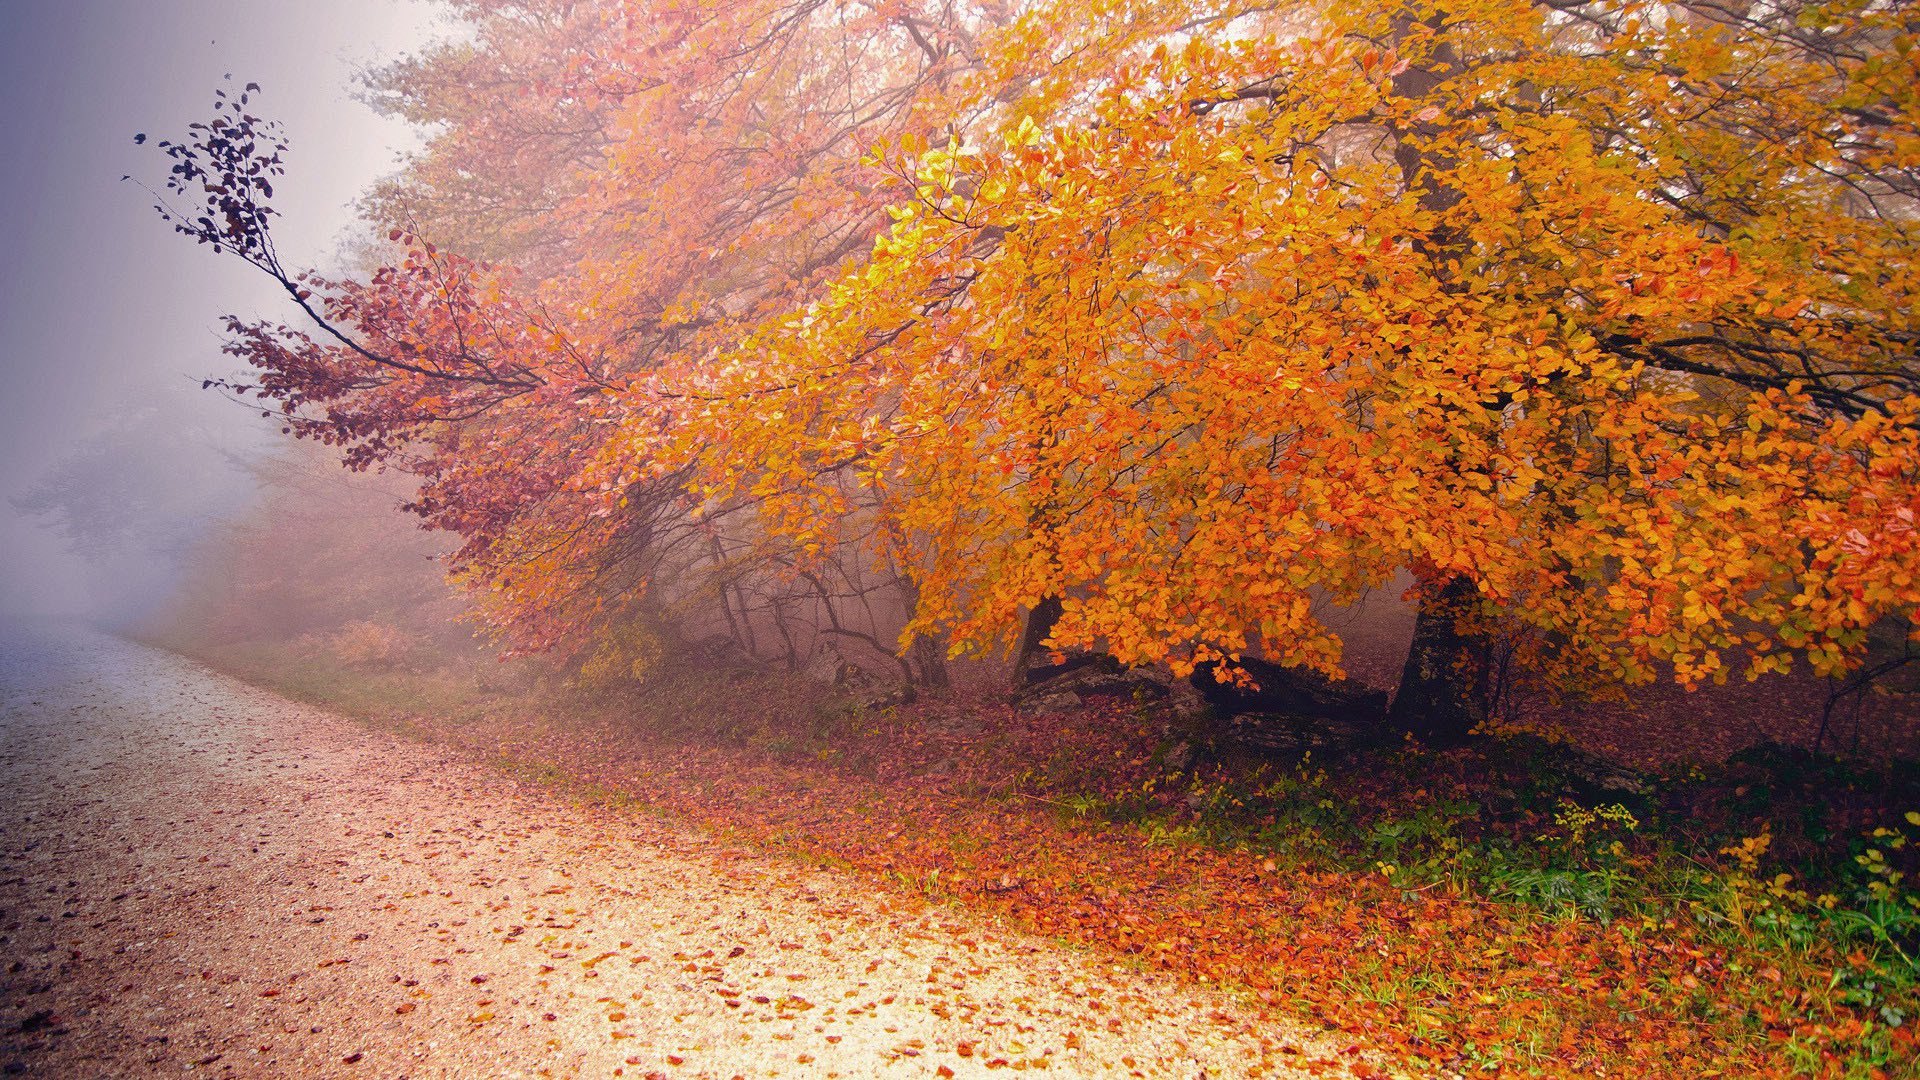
[624, 653]
[1611, 316]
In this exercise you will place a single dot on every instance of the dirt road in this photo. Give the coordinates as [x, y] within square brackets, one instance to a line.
[202, 877]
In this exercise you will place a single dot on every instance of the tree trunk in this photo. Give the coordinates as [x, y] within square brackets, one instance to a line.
[928, 655]
[1035, 667]
[1032, 664]
[1439, 700]
[930, 662]
[1295, 692]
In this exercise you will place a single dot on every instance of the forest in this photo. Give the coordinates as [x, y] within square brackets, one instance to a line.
[1402, 510]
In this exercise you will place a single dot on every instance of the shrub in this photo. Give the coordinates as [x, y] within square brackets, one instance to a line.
[368, 644]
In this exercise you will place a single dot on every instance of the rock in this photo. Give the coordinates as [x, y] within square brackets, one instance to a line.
[1624, 783]
[1179, 757]
[1061, 701]
[830, 667]
[1289, 733]
[1292, 710]
[1041, 668]
[824, 665]
[1186, 706]
[1582, 774]
[1160, 676]
[885, 697]
[718, 652]
[1092, 675]
[1128, 684]
[1601, 778]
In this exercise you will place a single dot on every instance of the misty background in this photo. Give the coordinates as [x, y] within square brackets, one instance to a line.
[115, 460]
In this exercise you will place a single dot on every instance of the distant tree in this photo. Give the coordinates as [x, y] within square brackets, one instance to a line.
[134, 498]
[316, 551]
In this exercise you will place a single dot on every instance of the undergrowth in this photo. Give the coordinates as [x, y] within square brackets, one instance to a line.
[1849, 896]
[1488, 911]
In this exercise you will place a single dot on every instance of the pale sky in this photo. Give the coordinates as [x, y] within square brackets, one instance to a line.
[103, 311]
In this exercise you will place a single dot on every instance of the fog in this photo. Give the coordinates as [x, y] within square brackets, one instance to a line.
[114, 458]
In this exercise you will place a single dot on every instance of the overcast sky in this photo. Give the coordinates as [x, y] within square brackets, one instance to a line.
[103, 311]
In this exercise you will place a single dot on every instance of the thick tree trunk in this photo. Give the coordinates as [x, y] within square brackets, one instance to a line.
[1032, 663]
[930, 663]
[1034, 669]
[1440, 699]
[1294, 692]
[927, 655]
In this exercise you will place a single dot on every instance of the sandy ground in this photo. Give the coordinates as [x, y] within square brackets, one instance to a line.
[202, 877]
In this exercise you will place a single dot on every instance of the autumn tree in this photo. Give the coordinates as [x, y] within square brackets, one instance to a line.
[135, 498]
[1183, 318]
[1596, 318]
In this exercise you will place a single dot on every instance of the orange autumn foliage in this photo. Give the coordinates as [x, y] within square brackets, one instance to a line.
[1190, 313]
[1194, 343]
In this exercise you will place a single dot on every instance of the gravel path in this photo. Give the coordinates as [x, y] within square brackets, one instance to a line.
[202, 877]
